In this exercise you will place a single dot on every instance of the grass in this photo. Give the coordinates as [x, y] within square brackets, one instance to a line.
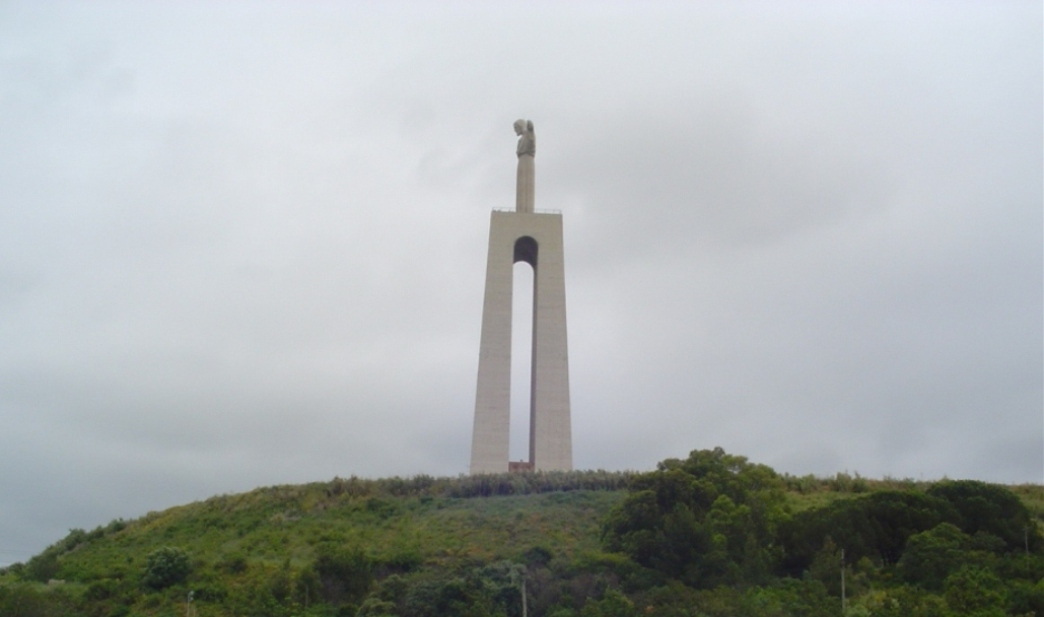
[420, 526]
[273, 525]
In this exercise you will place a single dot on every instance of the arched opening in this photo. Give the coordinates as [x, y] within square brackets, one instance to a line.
[522, 319]
[526, 249]
[521, 359]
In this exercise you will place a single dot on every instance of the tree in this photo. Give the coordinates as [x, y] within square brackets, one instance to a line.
[975, 591]
[346, 573]
[876, 526]
[612, 604]
[22, 600]
[165, 567]
[42, 567]
[992, 509]
[931, 556]
[376, 607]
[708, 520]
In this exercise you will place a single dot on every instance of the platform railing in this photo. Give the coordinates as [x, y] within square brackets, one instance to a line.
[535, 211]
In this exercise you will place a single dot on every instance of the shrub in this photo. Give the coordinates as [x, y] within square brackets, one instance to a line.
[931, 556]
[708, 520]
[165, 567]
[988, 508]
[875, 526]
[43, 567]
[345, 573]
[975, 591]
[612, 604]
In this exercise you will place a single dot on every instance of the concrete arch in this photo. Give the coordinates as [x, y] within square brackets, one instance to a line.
[535, 238]
[526, 249]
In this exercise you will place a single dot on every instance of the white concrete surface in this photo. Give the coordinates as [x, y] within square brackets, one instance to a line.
[535, 238]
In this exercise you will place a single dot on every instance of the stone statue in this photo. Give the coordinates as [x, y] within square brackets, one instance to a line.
[526, 139]
[524, 196]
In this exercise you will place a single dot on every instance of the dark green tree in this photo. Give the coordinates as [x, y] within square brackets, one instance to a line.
[24, 600]
[42, 567]
[612, 604]
[909, 601]
[932, 555]
[876, 527]
[165, 567]
[790, 598]
[975, 591]
[992, 509]
[345, 573]
[708, 520]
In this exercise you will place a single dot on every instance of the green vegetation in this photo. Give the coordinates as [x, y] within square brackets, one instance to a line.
[165, 567]
[713, 535]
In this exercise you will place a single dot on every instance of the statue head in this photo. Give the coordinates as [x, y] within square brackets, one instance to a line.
[520, 126]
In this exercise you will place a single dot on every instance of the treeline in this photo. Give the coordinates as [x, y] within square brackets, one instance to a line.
[712, 535]
[719, 526]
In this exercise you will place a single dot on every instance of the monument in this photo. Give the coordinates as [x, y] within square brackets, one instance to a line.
[534, 237]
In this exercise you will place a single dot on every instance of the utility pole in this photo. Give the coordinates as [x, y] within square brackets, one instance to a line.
[523, 595]
[844, 606]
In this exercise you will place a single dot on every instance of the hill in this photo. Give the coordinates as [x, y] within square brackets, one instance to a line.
[709, 535]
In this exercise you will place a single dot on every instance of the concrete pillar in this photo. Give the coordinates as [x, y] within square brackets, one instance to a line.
[525, 195]
[535, 238]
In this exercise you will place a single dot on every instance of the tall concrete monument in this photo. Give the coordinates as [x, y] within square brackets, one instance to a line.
[534, 237]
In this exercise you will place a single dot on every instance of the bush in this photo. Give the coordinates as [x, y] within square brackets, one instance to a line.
[931, 556]
[165, 567]
[975, 591]
[992, 509]
[24, 600]
[708, 520]
[43, 567]
[612, 604]
[875, 526]
[345, 573]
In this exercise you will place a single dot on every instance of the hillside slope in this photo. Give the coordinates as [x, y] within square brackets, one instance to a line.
[712, 535]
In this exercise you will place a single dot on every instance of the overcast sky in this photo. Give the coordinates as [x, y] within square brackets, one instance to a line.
[243, 244]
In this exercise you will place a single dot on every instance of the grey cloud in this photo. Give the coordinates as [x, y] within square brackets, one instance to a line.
[245, 249]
